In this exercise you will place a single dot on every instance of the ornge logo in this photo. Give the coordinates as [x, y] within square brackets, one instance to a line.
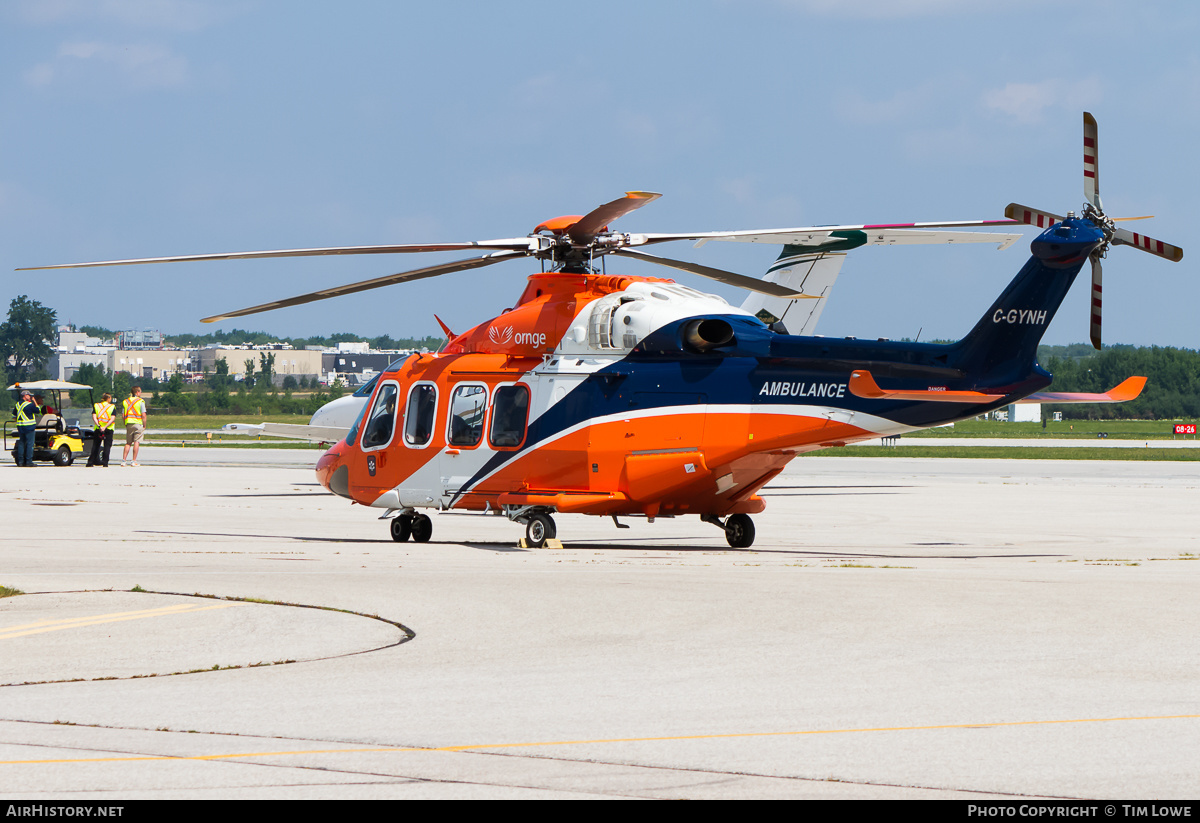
[531, 338]
[524, 338]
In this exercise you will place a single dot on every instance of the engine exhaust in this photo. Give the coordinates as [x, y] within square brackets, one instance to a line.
[708, 333]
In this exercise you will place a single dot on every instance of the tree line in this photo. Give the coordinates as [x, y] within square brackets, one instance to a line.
[1172, 379]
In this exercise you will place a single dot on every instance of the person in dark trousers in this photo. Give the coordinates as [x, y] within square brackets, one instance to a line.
[104, 416]
[26, 414]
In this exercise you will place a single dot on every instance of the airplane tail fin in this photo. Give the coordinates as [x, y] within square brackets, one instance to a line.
[803, 271]
[812, 259]
[1002, 346]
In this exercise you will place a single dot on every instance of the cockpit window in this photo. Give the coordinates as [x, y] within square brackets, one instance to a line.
[510, 411]
[368, 388]
[383, 418]
[466, 415]
[418, 419]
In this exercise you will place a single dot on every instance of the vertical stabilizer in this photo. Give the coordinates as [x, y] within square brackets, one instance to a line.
[799, 269]
[1003, 345]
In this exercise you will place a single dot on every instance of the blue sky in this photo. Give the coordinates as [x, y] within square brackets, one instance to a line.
[136, 128]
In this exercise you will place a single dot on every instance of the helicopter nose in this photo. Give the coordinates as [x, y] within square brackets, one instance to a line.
[333, 473]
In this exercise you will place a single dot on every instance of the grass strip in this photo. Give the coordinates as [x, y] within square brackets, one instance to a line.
[1015, 452]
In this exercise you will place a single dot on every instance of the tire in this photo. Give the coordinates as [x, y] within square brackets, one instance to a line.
[422, 528]
[63, 456]
[401, 528]
[739, 531]
[539, 529]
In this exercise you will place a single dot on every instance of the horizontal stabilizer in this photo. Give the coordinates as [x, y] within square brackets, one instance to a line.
[1126, 391]
[862, 384]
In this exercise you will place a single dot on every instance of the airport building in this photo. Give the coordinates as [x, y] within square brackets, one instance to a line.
[141, 354]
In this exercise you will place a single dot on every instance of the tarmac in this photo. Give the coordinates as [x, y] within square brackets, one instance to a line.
[213, 624]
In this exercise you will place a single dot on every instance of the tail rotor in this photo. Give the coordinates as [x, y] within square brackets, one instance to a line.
[1093, 211]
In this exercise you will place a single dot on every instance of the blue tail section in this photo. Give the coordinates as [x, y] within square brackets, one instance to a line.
[1002, 348]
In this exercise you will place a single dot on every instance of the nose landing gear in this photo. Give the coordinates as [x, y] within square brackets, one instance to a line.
[417, 526]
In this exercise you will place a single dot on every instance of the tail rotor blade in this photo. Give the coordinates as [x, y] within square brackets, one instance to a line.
[1097, 289]
[1031, 216]
[1091, 160]
[1148, 244]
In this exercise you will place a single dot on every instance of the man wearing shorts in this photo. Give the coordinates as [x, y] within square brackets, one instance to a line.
[133, 410]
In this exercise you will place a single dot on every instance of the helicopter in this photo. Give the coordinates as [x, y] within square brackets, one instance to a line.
[632, 396]
[810, 264]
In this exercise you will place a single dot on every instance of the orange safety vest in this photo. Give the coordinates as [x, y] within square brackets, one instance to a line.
[104, 414]
[134, 410]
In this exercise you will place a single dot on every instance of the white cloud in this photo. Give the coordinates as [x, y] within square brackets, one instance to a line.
[855, 108]
[172, 15]
[138, 66]
[879, 9]
[1028, 102]
[757, 206]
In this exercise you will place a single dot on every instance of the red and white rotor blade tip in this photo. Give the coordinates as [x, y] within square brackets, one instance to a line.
[1148, 244]
[1031, 216]
[1097, 299]
[1091, 159]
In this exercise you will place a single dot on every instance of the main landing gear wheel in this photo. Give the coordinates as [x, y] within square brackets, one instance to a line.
[401, 528]
[539, 529]
[422, 528]
[739, 531]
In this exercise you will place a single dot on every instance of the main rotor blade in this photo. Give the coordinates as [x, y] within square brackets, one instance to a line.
[812, 235]
[591, 223]
[522, 244]
[739, 280]
[378, 282]
[1091, 162]
[1097, 295]
[1140, 241]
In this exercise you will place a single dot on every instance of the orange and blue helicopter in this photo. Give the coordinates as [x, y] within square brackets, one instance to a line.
[615, 395]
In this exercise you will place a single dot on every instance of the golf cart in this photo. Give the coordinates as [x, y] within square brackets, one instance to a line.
[56, 438]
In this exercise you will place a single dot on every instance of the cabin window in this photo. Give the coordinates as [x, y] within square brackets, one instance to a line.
[382, 421]
[467, 406]
[422, 404]
[510, 412]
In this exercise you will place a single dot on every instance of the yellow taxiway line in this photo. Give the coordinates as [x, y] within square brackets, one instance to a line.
[40, 626]
[598, 741]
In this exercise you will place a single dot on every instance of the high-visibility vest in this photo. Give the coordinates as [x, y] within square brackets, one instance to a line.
[24, 418]
[104, 414]
[134, 410]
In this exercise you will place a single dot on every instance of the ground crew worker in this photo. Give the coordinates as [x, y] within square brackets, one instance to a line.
[104, 416]
[26, 414]
[133, 411]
